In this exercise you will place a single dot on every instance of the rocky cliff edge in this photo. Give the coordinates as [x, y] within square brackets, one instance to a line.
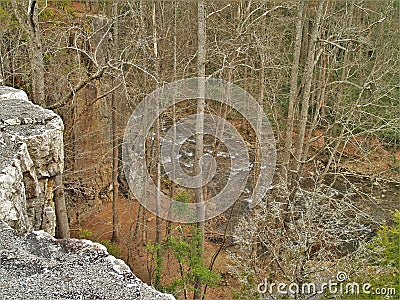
[33, 264]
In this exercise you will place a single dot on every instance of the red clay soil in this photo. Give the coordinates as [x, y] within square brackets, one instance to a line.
[100, 224]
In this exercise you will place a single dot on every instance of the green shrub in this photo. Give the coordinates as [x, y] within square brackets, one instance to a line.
[187, 252]
[88, 235]
[380, 266]
[85, 234]
[386, 244]
[111, 248]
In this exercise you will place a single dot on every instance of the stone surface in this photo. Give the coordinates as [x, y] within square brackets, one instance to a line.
[37, 266]
[15, 159]
[31, 154]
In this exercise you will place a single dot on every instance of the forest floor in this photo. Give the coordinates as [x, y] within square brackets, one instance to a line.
[133, 251]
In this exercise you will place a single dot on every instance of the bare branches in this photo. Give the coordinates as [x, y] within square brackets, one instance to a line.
[77, 88]
[325, 72]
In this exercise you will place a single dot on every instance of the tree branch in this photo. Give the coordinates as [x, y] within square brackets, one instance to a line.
[77, 88]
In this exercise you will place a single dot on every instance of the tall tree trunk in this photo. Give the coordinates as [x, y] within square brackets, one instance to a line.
[28, 18]
[338, 135]
[36, 56]
[293, 93]
[257, 155]
[174, 78]
[306, 96]
[142, 219]
[199, 193]
[157, 151]
[319, 99]
[114, 128]
[37, 67]
[62, 227]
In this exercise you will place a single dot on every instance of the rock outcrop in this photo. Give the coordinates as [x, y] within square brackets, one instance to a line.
[31, 151]
[37, 266]
[34, 265]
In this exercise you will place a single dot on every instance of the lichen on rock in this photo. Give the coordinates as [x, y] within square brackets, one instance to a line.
[37, 266]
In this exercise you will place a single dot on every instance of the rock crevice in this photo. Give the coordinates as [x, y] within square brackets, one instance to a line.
[31, 151]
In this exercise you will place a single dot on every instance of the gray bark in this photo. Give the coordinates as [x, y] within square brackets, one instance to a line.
[293, 93]
[114, 131]
[62, 227]
[28, 18]
[199, 193]
[307, 91]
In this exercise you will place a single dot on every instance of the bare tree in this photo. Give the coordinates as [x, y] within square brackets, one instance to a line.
[157, 152]
[199, 191]
[308, 76]
[293, 91]
[27, 14]
[114, 132]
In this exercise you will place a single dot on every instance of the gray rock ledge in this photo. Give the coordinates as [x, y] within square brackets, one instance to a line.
[37, 266]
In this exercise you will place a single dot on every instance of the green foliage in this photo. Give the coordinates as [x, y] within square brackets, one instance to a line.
[89, 235]
[111, 247]
[186, 249]
[63, 4]
[386, 244]
[8, 22]
[157, 251]
[247, 278]
[246, 291]
[48, 15]
[152, 247]
[394, 163]
[383, 262]
[181, 206]
[4, 15]
[85, 234]
[66, 6]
